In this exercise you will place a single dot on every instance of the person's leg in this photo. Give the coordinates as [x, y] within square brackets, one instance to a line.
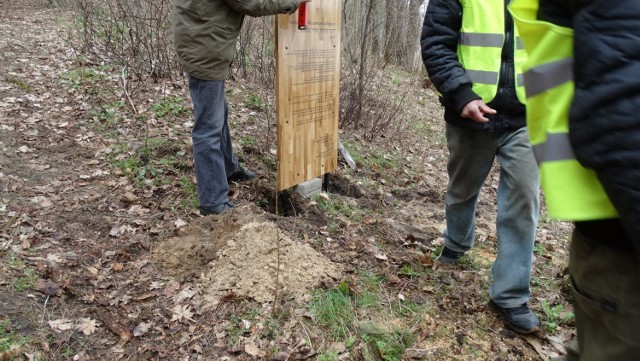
[517, 219]
[230, 162]
[208, 130]
[471, 155]
[235, 173]
[606, 301]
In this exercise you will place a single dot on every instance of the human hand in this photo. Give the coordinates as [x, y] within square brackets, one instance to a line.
[476, 111]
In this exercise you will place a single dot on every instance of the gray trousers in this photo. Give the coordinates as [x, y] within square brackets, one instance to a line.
[471, 156]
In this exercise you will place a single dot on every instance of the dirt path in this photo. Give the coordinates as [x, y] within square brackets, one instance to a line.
[76, 234]
[97, 264]
[56, 196]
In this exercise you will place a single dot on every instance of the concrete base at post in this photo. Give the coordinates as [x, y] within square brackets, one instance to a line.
[309, 188]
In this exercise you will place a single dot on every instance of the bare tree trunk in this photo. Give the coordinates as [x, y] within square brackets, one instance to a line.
[391, 30]
[363, 60]
[412, 36]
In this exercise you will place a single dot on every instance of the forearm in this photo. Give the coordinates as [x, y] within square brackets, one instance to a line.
[258, 8]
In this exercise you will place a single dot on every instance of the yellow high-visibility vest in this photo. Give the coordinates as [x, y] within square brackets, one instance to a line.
[572, 192]
[482, 36]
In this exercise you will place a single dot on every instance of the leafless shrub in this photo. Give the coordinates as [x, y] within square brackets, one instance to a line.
[255, 55]
[135, 35]
[62, 3]
[380, 104]
[362, 104]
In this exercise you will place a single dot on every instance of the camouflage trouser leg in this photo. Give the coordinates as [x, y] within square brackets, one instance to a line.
[606, 291]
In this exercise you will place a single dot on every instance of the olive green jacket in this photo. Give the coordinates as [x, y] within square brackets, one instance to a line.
[205, 31]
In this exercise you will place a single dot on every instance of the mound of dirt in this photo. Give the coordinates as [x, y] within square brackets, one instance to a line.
[237, 253]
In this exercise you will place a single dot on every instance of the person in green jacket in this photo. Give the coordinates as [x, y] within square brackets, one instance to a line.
[205, 34]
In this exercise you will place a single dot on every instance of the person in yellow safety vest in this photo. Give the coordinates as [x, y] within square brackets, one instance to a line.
[583, 96]
[473, 56]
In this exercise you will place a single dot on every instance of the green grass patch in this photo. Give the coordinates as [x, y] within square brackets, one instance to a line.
[330, 356]
[362, 313]
[109, 115]
[389, 345]
[543, 283]
[367, 296]
[153, 163]
[171, 106]
[420, 126]
[27, 277]
[376, 161]
[355, 151]
[239, 323]
[190, 191]
[249, 141]
[339, 206]
[76, 78]
[384, 161]
[334, 311]
[268, 161]
[26, 281]
[254, 101]
[8, 338]
[412, 271]
[91, 81]
[538, 249]
[556, 315]
[467, 261]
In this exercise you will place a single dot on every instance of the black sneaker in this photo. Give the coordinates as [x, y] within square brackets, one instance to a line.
[449, 256]
[241, 175]
[520, 319]
[205, 211]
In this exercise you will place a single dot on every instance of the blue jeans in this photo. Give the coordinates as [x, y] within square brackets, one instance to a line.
[212, 152]
[471, 156]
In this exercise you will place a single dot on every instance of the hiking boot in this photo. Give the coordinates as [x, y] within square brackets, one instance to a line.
[449, 256]
[205, 211]
[520, 319]
[241, 175]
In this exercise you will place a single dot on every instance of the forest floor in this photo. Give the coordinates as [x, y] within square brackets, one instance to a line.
[104, 256]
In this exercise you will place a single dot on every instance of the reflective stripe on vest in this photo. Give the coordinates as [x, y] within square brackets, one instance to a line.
[572, 192]
[480, 47]
[556, 147]
[548, 76]
[483, 77]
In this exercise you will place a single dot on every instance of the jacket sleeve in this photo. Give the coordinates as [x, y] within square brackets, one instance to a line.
[439, 43]
[258, 8]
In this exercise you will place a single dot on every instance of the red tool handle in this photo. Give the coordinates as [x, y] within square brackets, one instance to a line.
[302, 16]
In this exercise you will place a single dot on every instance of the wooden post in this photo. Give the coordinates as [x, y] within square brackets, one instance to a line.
[308, 93]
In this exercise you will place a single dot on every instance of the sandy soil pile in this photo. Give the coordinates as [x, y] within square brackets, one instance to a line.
[237, 253]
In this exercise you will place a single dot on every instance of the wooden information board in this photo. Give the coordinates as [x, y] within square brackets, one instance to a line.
[307, 92]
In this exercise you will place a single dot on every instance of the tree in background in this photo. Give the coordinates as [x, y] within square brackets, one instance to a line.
[135, 35]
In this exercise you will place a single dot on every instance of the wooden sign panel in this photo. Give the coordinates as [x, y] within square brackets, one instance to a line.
[307, 91]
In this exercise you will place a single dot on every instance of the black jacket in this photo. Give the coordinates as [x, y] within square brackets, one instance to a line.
[604, 120]
[439, 42]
